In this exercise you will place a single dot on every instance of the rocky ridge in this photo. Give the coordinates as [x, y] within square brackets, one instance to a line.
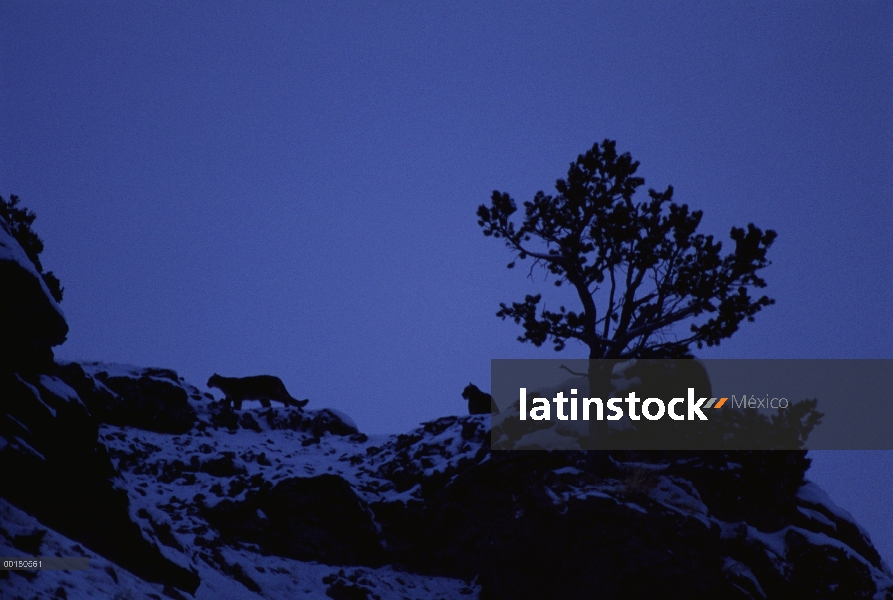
[280, 500]
[170, 493]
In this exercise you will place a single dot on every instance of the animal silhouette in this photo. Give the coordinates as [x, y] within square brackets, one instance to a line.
[479, 403]
[257, 387]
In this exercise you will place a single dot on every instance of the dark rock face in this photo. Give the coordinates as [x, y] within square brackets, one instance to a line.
[53, 467]
[147, 402]
[313, 518]
[758, 487]
[346, 587]
[630, 525]
[527, 530]
[31, 320]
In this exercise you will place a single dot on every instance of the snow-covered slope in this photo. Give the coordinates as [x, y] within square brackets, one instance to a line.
[283, 502]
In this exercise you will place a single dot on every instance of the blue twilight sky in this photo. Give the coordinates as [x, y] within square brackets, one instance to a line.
[290, 188]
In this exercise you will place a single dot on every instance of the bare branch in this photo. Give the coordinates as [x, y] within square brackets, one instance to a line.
[573, 372]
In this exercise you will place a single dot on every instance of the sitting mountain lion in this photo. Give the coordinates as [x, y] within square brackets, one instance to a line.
[258, 387]
[479, 403]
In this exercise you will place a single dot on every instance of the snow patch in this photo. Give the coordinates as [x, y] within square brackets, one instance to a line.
[36, 393]
[736, 569]
[811, 493]
[59, 388]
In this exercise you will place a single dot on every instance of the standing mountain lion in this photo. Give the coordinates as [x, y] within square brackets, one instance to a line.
[258, 387]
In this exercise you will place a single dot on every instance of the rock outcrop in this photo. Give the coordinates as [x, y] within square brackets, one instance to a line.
[52, 464]
[31, 320]
[283, 499]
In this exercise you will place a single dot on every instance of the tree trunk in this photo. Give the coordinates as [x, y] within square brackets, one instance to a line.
[599, 387]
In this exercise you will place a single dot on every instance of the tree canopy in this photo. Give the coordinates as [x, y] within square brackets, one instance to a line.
[638, 265]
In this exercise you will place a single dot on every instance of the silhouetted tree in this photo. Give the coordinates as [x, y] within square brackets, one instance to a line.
[19, 220]
[637, 267]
